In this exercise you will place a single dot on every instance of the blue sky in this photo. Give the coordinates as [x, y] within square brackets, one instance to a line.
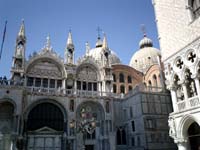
[120, 19]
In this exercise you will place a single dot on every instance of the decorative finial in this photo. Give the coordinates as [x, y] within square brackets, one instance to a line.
[143, 28]
[69, 40]
[22, 30]
[99, 30]
[48, 43]
[87, 48]
[105, 43]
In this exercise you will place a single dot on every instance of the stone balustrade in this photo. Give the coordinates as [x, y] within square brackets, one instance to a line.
[189, 103]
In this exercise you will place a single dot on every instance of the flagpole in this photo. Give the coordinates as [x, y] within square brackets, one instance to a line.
[4, 34]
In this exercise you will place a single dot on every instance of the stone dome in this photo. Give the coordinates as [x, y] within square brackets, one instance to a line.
[96, 54]
[146, 56]
[146, 42]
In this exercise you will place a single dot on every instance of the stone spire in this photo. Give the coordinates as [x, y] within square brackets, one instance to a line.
[48, 44]
[69, 39]
[87, 48]
[105, 43]
[21, 35]
[22, 30]
[69, 50]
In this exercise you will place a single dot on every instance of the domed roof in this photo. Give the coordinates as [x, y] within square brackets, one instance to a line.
[146, 56]
[96, 54]
[146, 42]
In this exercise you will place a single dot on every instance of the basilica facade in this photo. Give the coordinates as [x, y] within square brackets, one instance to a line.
[95, 103]
[178, 24]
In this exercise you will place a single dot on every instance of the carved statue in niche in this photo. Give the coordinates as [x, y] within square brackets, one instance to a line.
[180, 94]
[172, 127]
[192, 89]
[19, 50]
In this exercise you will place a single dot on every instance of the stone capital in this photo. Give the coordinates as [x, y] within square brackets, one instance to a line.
[181, 82]
[180, 140]
[171, 87]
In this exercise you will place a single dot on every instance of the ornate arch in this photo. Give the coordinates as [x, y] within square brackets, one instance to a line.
[52, 101]
[3, 100]
[47, 58]
[94, 104]
[92, 68]
[185, 123]
[196, 68]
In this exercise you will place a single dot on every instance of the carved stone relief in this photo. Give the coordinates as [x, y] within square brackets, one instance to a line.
[87, 73]
[46, 69]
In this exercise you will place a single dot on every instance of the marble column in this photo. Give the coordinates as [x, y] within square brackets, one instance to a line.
[185, 95]
[183, 146]
[75, 86]
[174, 99]
[185, 91]
[63, 86]
[197, 86]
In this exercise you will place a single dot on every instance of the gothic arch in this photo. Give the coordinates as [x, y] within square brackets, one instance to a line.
[174, 75]
[155, 80]
[178, 64]
[90, 65]
[193, 55]
[197, 68]
[7, 111]
[3, 100]
[49, 58]
[94, 104]
[185, 123]
[52, 101]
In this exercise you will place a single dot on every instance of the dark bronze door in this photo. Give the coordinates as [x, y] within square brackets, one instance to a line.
[89, 147]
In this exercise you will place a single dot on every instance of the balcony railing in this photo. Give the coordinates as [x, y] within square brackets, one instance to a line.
[68, 92]
[189, 103]
[194, 101]
[181, 105]
[76, 92]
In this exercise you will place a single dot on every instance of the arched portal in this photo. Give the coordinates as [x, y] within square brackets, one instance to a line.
[90, 140]
[194, 136]
[6, 124]
[45, 127]
[45, 115]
